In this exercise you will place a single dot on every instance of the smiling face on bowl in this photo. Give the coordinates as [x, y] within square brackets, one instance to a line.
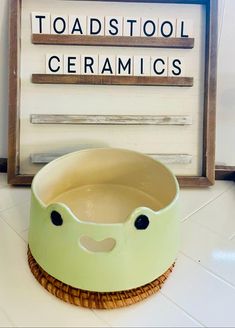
[93, 237]
[118, 231]
[107, 204]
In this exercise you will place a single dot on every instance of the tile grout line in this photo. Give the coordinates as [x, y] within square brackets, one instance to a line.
[11, 227]
[222, 237]
[26, 242]
[17, 233]
[204, 205]
[23, 231]
[8, 317]
[15, 205]
[210, 271]
[103, 320]
[181, 308]
[232, 237]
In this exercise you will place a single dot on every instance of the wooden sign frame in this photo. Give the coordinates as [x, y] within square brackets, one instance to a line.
[208, 161]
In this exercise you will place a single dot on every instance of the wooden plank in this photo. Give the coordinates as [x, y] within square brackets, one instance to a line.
[111, 119]
[112, 80]
[184, 181]
[194, 181]
[44, 158]
[14, 57]
[209, 120]
[21, 180]
[117, 41]
[173, 158]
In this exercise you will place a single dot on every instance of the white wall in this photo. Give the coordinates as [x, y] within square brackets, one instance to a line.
[226, 82]
[225, 139]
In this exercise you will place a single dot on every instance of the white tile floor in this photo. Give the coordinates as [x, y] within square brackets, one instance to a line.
[199, 292]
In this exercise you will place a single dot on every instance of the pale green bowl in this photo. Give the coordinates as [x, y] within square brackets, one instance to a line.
[104, 219]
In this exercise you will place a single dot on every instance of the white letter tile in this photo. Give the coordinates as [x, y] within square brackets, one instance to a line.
[131, 26]
[141, 66]
[54, 64]
[149, 27]
[89, 64]
[159, 66]
[124, 65]
[167, 28]
[176, 66]
[113, 26]
[72, 64]
[41, 23]
[59, 24]
[78, 24]
[95, 25]
[107, 65]
[185, 27]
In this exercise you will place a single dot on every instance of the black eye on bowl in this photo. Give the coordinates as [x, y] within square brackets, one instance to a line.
[142, 222]
[56, 218]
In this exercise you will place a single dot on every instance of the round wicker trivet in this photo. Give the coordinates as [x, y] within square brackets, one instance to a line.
[94, 300]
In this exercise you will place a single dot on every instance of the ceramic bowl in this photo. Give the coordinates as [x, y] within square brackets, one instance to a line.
[104, 219]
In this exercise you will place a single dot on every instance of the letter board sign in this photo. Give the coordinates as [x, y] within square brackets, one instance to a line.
[127, 74]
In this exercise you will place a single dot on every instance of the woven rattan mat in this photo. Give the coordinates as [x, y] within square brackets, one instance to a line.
[94, 300]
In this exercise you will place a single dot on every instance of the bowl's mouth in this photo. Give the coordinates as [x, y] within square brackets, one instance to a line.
[94, 246]
[105, 185]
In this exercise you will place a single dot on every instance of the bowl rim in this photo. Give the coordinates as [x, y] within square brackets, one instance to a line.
[48, 165]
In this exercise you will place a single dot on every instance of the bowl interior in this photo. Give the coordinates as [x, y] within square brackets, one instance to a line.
[105, 185]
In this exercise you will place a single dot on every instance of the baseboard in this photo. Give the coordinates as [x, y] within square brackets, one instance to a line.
[3, 165]
[225, 172]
